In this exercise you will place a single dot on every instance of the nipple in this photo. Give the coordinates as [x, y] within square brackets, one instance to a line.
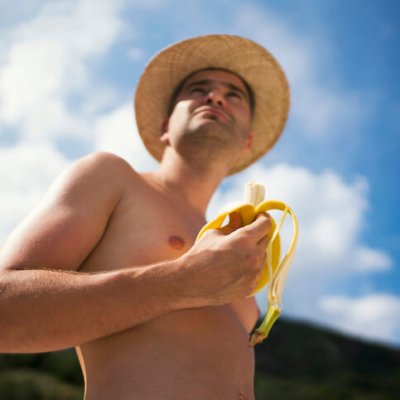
[176, 242]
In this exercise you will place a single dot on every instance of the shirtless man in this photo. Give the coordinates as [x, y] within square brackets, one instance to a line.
[107, 262]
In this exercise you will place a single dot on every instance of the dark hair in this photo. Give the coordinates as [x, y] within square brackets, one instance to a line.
[177, 90]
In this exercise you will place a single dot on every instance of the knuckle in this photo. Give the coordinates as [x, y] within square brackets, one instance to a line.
[245, 240]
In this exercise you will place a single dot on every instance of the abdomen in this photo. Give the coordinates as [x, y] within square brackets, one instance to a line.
[198, 350]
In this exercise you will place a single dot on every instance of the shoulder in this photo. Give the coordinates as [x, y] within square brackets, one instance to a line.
[102, 167]
[102, 162]
[97, 176]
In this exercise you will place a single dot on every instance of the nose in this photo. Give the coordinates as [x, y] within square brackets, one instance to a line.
[215, 97]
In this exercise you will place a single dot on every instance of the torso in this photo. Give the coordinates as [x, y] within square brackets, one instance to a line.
[193, 353]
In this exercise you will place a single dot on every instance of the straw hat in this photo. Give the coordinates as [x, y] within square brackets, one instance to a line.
[244, 57]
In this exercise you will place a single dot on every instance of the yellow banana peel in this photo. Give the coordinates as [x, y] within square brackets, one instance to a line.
[275, 269]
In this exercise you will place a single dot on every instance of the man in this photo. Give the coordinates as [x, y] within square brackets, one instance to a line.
[107, 262]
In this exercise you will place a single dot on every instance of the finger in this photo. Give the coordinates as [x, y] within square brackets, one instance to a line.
[263, 243]
[235, 222]
[261, 214]
[260, 227]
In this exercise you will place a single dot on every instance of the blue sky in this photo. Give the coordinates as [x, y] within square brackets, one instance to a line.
[68, 70]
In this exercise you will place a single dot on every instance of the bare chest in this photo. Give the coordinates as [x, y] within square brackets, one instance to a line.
[147, 228]
[144, 229]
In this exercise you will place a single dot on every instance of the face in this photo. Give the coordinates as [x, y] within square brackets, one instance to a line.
[212, 106]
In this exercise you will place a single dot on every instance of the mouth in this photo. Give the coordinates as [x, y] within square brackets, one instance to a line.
[214, 113]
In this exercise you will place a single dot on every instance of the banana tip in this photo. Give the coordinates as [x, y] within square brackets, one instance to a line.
[256, 338]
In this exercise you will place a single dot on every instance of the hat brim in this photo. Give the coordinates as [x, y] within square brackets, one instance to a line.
[249, 60]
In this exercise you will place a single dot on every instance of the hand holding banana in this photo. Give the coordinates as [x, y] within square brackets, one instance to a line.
[274, 271]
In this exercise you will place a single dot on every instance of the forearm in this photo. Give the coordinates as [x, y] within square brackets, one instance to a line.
[43, 310]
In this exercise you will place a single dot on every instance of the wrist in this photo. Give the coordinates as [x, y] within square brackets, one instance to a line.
[187, 282]
[180, 279]
[166, 285]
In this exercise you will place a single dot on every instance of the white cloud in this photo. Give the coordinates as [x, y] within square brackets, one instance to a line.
[376, 316]
[46, 62]
[26, 172]
[116, 132]
[33, 86]
[367, 260]
[84, 28]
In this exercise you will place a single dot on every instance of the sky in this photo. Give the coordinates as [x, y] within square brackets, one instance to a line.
[68, 71]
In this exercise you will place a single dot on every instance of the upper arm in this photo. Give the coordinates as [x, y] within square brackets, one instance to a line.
[65, 227]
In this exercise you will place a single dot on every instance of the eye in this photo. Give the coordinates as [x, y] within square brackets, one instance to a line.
[234, 96]
[197, 90]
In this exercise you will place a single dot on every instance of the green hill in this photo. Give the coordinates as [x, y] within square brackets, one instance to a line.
[298, 361]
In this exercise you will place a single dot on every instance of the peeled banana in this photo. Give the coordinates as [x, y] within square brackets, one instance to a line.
[274, 270]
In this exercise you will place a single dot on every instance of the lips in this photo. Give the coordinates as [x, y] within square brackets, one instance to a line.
[214, 111]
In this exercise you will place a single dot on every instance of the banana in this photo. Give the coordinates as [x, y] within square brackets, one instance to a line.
[274, 270]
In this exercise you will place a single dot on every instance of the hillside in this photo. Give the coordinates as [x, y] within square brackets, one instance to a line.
[298, 361]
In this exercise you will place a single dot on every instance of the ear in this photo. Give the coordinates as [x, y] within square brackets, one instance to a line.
[249, 141]
[164, 138]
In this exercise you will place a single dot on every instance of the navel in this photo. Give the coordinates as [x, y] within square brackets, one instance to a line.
[176, 242]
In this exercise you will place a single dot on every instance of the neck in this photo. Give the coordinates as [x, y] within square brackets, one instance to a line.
[184, 181]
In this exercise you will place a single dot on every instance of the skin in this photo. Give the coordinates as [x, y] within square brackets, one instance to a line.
[107, 263]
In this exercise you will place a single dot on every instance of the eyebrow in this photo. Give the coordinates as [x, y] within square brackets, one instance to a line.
[226, 84]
